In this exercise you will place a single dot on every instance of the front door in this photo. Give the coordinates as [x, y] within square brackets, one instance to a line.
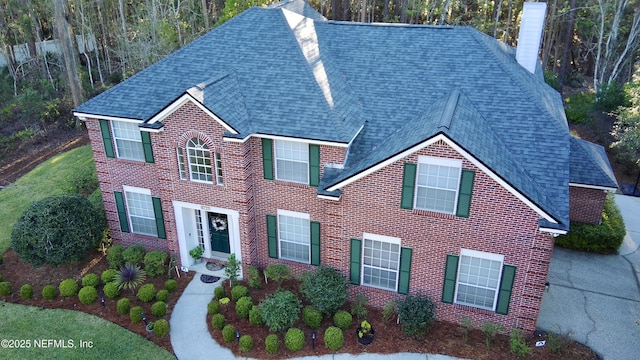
[219, 230]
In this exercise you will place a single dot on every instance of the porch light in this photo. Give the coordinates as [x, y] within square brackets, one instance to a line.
[238, 335]
[313, 339]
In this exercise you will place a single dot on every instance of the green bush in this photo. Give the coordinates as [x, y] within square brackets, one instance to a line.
[294, 339]
[108, 276]
[135, 314]
[255, 316]
[171, 285]
[278, 272]
[232, 269]
[603, 238]
[49, 292]
[359, 307]
[229, 333]
[147, 293]
[68, 287]
[134, 254]
[218, 321]
[253, 277]
[246, 343]
[26, 291]
[162, 295]
[111, 290]
[342, 319]
[123, 306]
[517, 343]
[213, 307]
[159, 309]
[87, 295]
[6, 288]
[417, 314]
[154, 263]
[90, 280]
[610, 96]
[551, 79]
[129, 276]
[272, 343]
[490, 330]
[388, 310]
[238, 291]
[333, 338]
[114, 256]
[161, 328]
[326, 289]
[312, 317]
[56, 230]
[243, 306]
[280, 310]
[219, 292]
[83, 181]
[578, 106]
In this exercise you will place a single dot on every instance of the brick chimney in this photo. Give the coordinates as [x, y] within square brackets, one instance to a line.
[530, 36]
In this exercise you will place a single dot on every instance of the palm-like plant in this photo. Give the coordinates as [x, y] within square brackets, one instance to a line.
[130, 276]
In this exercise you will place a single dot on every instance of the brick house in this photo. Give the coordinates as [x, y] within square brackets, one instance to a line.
[415, 159]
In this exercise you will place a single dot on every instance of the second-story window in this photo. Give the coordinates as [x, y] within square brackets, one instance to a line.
[292, 161]
[128, 140]
[198, 163]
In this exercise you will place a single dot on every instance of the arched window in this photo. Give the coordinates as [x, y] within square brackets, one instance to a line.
[200, 165]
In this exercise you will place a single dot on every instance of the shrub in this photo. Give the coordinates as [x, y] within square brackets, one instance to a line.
[280, 310]
[26, 291]
[272, 343]
[238, 291]
[246, 343]
[162, 295]
[416, 314]
[359, 307]
[243, 306]
[218, 321]
[229, 333]
[135, 314]
[129, 276]
[556, 342]
[123, 306]
[87, 295]
[56, 230]
[147, 293]
[213, 307]
[326, 289]
[6, 288]
[171, 285]
[154, 263]
[278, 273]
[551, 79]
[114, 256]
[466, 327]
[68, 287]
[388, 310]
[578, 106]
[253, 277]
[83, 181]
[490, 330]
[49, 292]
[255, 316]
[333, 338]
[90, 280]
[159, 309]
[312, 317]
[232, 269]
[517, 343]
[342, 319]
[161, 328]
[111, 290]
[219, 292]
[134, 254]
[108, 276]
[294, 339]
[610, 96]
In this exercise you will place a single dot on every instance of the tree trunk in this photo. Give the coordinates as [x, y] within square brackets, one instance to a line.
[65, 36]
[567, 43]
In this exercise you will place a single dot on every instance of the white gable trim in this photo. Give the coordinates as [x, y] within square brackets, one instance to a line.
[179, 103]
[327, 197]
[306, 141]
[461, 151]
[605, 188]
[85, 117]
[555, 232]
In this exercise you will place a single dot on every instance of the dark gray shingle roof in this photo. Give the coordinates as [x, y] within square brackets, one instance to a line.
[590, 165]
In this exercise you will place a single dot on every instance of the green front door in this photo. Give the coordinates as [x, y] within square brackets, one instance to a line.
[219, 230]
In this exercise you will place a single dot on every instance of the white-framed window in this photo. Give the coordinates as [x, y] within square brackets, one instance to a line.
[128, 140]
[181, 166]
[199, 229]
[437, 184]
[219, 179]
[292, 161]
[294, 236]
[380, 261]
[199, 160]
[478, 279]
[140, 210]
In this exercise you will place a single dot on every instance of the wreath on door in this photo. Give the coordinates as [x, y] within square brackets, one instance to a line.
[219, 224]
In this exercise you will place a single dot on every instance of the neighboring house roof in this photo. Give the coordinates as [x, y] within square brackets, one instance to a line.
[590, 166]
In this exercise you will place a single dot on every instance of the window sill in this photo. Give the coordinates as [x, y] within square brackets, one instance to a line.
[435, 214]
[474, 309]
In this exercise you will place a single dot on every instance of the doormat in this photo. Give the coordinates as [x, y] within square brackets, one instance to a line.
[214, 266]
[208, 279]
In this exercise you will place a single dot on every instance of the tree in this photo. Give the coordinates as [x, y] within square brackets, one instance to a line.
[64, 33]
[626, 129]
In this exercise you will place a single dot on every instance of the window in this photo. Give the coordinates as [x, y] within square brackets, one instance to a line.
[181, 167]
[141, 212]
[380, 261]
[437, 184]
[199, 229]
[294, 236]
[292, 161]
[478, 279]
[199, 160]
[219, 180]
[128, 140]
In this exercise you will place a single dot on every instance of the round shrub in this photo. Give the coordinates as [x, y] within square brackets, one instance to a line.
[238, 291]
[135, 314]
[161, 328]
[253, 277]
[243, 306]
[218, 321]
[162, 295]
[114, 256]
[312, 317]
[171, 285]
[49, 292]
[56, 230]
[326, 289]
[294, 339]
[147, 293]
[123, 306]
[108, 276]
[333, 338]
[87, 295]
[255, 316]
[111, 290]
[90, 280]
[159, 309]
[154, 263]
[280, 310]
[26, 291]
[134, 254]
[246, 343]
[416, 314]
[68, 287]
[342, 319]
[229, 333]
[272, 343]
[6, 288]
[219, 292]
[213, 307]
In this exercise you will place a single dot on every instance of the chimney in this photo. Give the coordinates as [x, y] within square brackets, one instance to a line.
[533, 14]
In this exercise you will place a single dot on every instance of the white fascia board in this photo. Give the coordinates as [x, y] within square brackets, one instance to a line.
[85, 116]
[155, 131]
[461, 151]
[236, 140]
[327, 197]
[183, 100]
[555, 232]
[596, 187]
[306, 141]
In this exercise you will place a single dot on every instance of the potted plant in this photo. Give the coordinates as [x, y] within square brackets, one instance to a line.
[149, 327]
[196, 253]
[365, 333]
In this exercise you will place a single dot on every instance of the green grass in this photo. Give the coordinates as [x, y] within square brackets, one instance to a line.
[48, 178]
[110, 341]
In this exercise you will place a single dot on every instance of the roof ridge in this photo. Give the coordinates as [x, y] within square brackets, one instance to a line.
[446, 119]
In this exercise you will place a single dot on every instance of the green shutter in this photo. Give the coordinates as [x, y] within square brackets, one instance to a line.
[267, 158]
[506, 285]
[464, 196]
[106, 138]
[354, 272]
[408, 185]
[272, 236]
[405, 270]
[450, 274]
[157, 209]
[146, 146]
[122, 214]
[315, 243]
[314, 165]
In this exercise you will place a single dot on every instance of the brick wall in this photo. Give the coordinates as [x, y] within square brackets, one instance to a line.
[585, 205]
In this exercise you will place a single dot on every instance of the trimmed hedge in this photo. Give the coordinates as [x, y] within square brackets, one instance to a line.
[68, 287]
[246, 343]
[114, 256]
[311, 316]
[213, 307]
[159, 309]
[294, 339]
[243, 306]
[111, 290]
[87, 295]
[333, 338]
[218, 321]
[219, 292]
[162, 295]
[272, 343]
[134, 254]
[135, 314]
[26, 291]
[90, 280]
[229, 333]
[238, 291]
[171, 285]
[342, 319]
[123, 306]
[147, 293]
[108, 276]
[6, 288]
[161, 328]
[154, 263]
[49, 292]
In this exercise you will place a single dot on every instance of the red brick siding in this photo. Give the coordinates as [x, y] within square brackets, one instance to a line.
[585, 205]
